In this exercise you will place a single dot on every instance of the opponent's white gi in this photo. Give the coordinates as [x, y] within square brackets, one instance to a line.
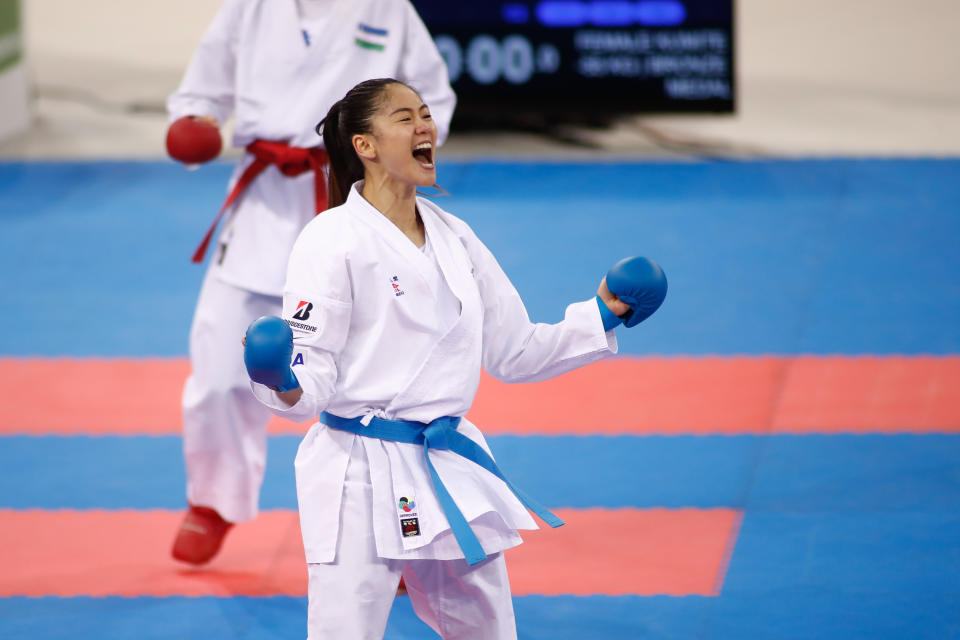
[255, 60]
[384, 328]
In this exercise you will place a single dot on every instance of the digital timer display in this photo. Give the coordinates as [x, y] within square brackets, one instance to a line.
[611, 55]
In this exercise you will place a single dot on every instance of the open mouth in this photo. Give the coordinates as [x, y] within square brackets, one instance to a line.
[423, 152]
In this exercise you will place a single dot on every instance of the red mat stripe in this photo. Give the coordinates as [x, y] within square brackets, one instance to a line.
[689, 395]
[126, 553]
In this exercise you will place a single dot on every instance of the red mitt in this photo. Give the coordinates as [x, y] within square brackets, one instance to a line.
[193, 141]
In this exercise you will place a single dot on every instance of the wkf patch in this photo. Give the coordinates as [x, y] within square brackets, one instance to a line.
[406, 505]
[409, 519]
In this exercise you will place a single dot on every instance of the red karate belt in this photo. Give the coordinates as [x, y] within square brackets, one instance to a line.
[292, 161]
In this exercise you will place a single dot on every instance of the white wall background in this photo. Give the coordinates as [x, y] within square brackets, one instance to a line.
[879, 77]
[14, 98]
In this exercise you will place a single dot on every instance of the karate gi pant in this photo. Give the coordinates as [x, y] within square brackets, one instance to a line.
[350, 598]
[224, 426]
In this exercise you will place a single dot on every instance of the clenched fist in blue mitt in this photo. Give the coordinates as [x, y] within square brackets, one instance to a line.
[639, 283]
[267, 351]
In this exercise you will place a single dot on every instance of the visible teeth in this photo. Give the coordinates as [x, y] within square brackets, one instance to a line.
[424, 145]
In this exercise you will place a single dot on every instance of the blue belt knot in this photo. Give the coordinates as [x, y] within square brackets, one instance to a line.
[441, 434]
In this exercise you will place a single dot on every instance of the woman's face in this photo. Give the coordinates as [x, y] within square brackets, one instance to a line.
[405, 138]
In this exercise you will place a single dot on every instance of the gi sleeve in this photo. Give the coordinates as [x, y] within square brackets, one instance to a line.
[518, 350]
[422, 67]
[207, 88]
[317, 304]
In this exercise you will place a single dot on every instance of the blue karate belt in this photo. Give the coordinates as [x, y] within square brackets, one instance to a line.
[441, 434]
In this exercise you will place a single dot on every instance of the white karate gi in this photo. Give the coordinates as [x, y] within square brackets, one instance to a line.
[383, 328]
[254, 61]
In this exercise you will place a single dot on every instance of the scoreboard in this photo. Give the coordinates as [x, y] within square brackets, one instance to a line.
[606, 56]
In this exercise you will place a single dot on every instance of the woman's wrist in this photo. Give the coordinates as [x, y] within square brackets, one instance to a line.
[610, 319]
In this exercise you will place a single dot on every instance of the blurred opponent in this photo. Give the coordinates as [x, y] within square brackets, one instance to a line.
[275, 65]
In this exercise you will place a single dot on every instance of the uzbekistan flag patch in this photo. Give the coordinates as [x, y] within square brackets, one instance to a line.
[372, 38]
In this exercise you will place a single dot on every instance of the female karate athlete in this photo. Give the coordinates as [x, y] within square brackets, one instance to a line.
[276, 64]
[391, 306]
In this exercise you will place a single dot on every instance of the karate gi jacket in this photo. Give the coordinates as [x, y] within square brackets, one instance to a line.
[361, 300]
[254, 62]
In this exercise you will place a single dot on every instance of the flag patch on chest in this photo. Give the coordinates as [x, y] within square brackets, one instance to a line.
[368, 37]
[395, 283]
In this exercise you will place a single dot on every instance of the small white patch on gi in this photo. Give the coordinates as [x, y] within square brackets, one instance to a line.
[407, 511]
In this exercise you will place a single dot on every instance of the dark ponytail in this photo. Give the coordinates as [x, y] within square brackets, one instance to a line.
[349, 116]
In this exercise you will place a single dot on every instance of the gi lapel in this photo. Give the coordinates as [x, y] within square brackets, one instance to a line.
[455, 359]
[451, 255]
[395, 239]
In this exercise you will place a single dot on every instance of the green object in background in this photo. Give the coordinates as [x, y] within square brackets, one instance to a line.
[11, 42]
